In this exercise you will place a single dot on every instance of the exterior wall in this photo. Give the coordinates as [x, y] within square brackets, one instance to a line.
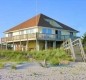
[65, 32]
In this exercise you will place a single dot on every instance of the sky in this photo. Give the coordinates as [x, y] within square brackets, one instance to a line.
[69, 12]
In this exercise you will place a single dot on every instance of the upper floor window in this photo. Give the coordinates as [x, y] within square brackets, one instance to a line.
[71, 33]
[22, 32]
[31, 31]
[46, 31]
[10, 34]
[49, 31]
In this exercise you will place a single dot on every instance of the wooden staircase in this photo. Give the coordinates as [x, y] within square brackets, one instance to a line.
[78, 54]
[76, 49]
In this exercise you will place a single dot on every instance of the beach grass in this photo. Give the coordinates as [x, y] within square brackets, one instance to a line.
[54, 56]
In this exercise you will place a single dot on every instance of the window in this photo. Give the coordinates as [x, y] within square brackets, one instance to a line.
[47, 31]
[22, 32]
[53, 23]
[31, 31]
[71, 33]
[44, 30]
[10, 34]
[28, 31]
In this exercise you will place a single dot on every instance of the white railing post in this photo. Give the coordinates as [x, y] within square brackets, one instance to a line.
[82, 50]
[72, 49]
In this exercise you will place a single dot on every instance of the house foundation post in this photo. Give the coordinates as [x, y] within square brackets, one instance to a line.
[13, 46]
[54, 44]
[20, 46]
[27, 42]
[46, 45]
[6, 45]
[37, 45]
[27, 45]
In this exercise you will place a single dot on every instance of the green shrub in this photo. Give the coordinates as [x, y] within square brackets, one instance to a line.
[54, 56]
[54, 61]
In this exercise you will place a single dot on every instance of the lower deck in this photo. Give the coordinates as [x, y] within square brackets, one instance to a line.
[33, 45]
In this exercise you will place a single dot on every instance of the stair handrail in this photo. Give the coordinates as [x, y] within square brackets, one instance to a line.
[82, 50]
[72, 49]
[69, 44]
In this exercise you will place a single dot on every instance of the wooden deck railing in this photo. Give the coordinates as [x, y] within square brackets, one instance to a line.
[19, 37]
[42, 36]
[39, 36]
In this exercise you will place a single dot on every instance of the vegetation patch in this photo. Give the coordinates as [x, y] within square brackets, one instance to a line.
[84, 41]
[53, 57]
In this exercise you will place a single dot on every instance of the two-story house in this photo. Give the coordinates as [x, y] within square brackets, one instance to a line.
[38, 33]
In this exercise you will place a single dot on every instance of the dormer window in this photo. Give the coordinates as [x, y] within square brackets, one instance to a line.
[53, 23]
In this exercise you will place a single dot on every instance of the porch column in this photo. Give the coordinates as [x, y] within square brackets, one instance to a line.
[27, 45]
[6, 46]
[20, 37]
[37, 45]
[54, 44]
[14, 47]
[46, 45]
[20, 46]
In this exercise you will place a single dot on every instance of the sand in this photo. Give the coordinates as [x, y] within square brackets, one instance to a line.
[73, 71]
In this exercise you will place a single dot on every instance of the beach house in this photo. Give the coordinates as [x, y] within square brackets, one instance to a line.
[38, 33]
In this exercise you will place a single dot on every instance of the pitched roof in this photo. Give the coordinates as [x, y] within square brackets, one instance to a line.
[41, 20]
